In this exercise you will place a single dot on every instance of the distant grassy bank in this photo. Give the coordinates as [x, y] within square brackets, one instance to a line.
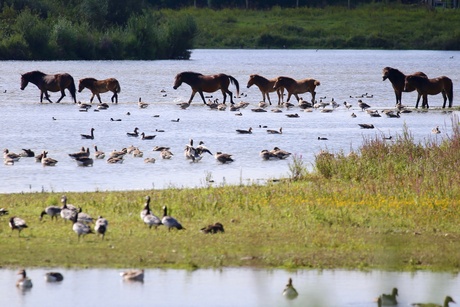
[389, 205]
[373, 26]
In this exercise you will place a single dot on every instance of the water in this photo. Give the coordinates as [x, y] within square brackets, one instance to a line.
[343, 73]
[226, 287]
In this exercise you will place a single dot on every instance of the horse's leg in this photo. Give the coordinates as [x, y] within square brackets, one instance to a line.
[193, 95]
[425, 101]
[202, 97]
[62, 96]
[230, 94]
[91, 99]
[444, 95]
[289, 97]
[115, 96]
[313, 95]
[225, 96]
[418, 100]
[268, 96]
[398, 97]
[47, 97]
[297, 97]
[99, 97]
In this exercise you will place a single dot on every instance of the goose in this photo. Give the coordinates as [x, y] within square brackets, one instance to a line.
[48, 161]
[267, 155]
[98, 154]
[436, 130]
[169, 221]
[134, 134]
[142, 105]
[221, 107]
[280, 153]
[362, 105]
[327, 110]
[133, 275]
[81, 229]
[148, 217]
[84, 217]
[130, 149]
[392, 114]
[52, 211]
[263, 104]
[242, 131]
[53, 277]
[38, 158]
[447, 300]
[115, 120]
[292, 115]
[353, 115]
[100, 227]
[387, 137]
[239, 114]
[201, 149]
[137, 153]
[289, 291]
[84, 161]
[83, 153]
[10, 155]
[115, 160]
[24, 282]
[88, 136]
[215, 228]
[103, 106]
[276, 110]
[223, 157]
[149, 160]
[166, 154]
[18, 224]
[390, 299]
[366, 126]
[146, 208]
[8, 161]
[234, 109]
[373, 113]
[119, 153]
[191, 153]
[271, 131]
[347, 105]
[3, 211]
[27, 153]
[259, 110]
[241, 105]
[67, 210]
[183, 105]
[160, 148]
[175, 120]
[147, 137]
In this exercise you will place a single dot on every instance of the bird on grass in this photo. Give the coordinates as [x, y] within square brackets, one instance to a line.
[52, 211]
[169, 221]
[215, 228]
[289, 291]
[100, 227]
[447, 300]
[148, 217]
[16, 223]
[81, 229]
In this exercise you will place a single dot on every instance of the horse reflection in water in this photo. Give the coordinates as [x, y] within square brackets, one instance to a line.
[52, 83]
[100, 86]
[207, 83]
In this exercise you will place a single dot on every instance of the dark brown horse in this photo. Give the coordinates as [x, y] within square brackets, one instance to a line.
[100, 86]
[207, 83]
[266, 86]
[398, 80]
[52, 83]
[295, 87]
[425, 87]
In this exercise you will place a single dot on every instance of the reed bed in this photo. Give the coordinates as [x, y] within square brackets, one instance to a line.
[389, 205]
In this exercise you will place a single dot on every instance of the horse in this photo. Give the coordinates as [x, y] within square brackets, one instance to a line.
[207, 83]
[295, 87]
[398, 80]
[100, 86]
[425, 87]
[266, 86]
[52, 83]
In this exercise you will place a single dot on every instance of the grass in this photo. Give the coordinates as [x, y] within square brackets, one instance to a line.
[390, 206]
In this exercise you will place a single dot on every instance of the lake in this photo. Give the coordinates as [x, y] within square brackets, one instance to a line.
[345, 75]
[225, 287]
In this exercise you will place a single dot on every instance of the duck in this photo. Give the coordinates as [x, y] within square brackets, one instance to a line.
[81, 229]
[88, 136]
[53, 277]
[215, 228]
[17, 223]
[289, 291]
[133, 275]
[223, 157]
[24, 282]
[46, 161]
[98, 154]
[366, 126]
[83, 153]
[142, 105]
[436, 130]
[53, 211]
[100, 227]
[134, 134]
[166, 154]
[271, 131]
[148, 217]
[115, 120]
[242, 131]
[292, 115]
[280, 153]
[10, 155]
[390, 299]
[27, 153]
[149, 160]
[84, 161]
[169, 221]
[147, 137]
[447, 300]
[322, 138]
[175, 120]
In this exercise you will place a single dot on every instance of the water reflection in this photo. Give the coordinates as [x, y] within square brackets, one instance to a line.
[225, 287]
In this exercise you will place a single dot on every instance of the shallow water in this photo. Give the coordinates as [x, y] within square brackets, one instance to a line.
[226, 287]
[25, 123]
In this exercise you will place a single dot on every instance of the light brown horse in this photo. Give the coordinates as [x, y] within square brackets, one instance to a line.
[425, 87]
[207, 83]
[100, 86]
[398, 80]
[52, 83]
[266, 86]
[295, 87]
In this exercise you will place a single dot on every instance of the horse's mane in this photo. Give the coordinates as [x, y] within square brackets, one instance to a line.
[190, 73]
[393, 71]
[88, 79]
[34, 72]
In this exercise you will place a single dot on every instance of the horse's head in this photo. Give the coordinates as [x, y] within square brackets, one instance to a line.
[386, 73]
[409, 83]
[24, 81]
[177, 81]
[251, 81]
[81, 85]
[278, 83]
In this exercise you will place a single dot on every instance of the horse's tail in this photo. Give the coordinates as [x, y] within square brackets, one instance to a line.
[72, 89]
[234, 81]
[317, 83]
[118, 87]
[450, 94]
